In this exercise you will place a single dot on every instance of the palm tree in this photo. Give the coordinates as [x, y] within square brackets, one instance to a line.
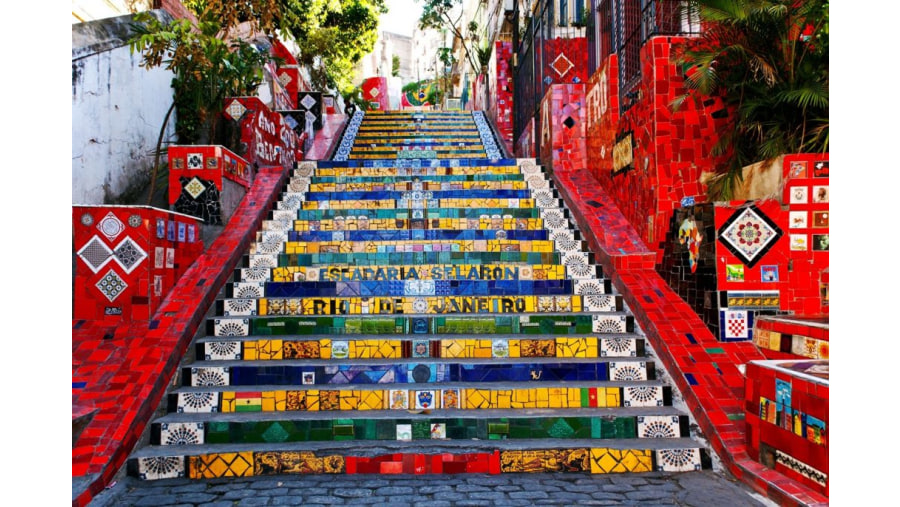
[768, 60]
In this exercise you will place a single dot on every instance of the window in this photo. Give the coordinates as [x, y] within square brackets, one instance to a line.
[563, 16]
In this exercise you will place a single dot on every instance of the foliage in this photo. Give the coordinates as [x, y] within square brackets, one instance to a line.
[484, 55]
[333, 35]
[353, 99]
[447, 15]
[347, 32]
[207, 69]
[395, 65]
[768, 60]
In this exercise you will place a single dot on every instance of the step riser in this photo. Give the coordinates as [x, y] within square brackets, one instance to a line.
[321, 348]
[429, 428]
[471, 325]
[419, 373]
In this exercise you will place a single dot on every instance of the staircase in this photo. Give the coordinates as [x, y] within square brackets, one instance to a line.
[418, 305]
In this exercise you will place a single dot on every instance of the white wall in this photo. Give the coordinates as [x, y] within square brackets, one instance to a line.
[117, 110]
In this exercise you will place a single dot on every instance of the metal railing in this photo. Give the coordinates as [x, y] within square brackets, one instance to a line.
[547, 22]
[622, 27]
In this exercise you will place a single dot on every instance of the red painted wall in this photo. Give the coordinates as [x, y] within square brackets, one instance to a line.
[216, 163]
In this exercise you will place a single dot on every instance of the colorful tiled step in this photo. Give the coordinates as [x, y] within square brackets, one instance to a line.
[245, 428]
[562, 324]
[250, 349]
[443, 457]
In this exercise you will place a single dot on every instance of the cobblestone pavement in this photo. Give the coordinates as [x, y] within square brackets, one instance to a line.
[706, 488]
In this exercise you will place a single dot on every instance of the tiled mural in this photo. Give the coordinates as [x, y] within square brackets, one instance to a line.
[649, 157]
[269, 140]
[128, 258]
[562, 128]
[502, 82]
[787, 411]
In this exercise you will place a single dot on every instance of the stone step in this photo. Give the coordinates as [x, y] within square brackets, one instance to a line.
[475, 324]
[252, 305]
[425, 180]
[440, 456]
[404, 186]
[425, 346]
[248, 427]
[402, 259]
[462, 396]
[334, 368]
[507, 285]
[390, 166]
[404, 273]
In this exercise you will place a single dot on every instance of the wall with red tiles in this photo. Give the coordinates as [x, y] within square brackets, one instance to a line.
[375, 90]
[670, 150]
[786, 339]
[122, 370]
[128, 258]
[212, 163]
[288, 72]
[564, 60]
[787, 410]
[602, 116]
[502, 83]
[562, 138]
[269, 140]
[704, 369]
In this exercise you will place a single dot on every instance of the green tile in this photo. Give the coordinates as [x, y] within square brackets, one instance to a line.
[561, 429]
[386, 429]
[421, 430]
[715, 350]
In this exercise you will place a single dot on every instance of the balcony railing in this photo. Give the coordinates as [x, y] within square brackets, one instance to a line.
[622, 27]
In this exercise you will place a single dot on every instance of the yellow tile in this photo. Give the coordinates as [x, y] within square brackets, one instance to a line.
[514, 350]
[613, 398]
[542, 396]
[573, 397]
[503, 399]
[312, 401]
[280, 397]
[268, 401]
[371, 400]
[557, 397]
[349, 400]
[592, 346]
[228, 402]
[250, 351]
[325, 348]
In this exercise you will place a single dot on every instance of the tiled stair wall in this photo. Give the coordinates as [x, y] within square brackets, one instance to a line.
[430, 312]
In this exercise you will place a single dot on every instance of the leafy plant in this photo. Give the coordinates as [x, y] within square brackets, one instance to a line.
[484, 55]
[768, 60]
[447, 15]
[206, 68]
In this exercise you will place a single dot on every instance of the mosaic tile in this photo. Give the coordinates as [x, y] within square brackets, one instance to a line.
[181, 433]
[111, 285]
[608, 324]
[678, 460]
[618, 347]
[226, 464]
[548, 460]
[801, 468]
[238, 307]
[231, 327]
[95, 254]
[197, 403]
[604, 461]
[749, 234]
[658, 427]
[643, 396]
[160, 467]
[222, 350]
[210, 376]
[627, 371]
[110, 226]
